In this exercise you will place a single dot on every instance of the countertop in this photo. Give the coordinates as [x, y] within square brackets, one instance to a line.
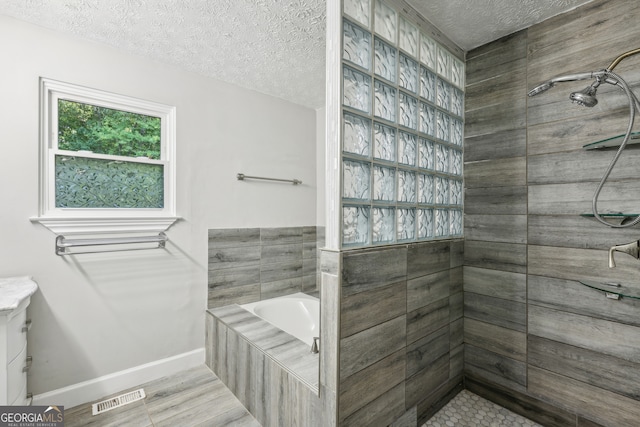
[14, 290]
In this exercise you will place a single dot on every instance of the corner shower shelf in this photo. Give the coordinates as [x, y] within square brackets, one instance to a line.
[622, 218]
[613, 290]
[613, 142]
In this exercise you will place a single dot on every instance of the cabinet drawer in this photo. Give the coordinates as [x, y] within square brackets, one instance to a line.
[16, 338]
[16, 376]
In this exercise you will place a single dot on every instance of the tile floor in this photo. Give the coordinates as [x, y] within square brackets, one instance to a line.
[470, 410]
[195, 397]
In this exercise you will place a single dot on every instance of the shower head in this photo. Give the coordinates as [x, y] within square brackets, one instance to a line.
[587, 96]
[567, 78]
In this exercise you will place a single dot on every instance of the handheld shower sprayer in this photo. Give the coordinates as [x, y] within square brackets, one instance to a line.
[587, 98]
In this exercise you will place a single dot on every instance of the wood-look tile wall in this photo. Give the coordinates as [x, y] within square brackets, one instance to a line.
[252, 264]
[400, 345]
[535, 339]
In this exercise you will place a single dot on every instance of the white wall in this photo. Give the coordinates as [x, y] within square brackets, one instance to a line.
[100, 314]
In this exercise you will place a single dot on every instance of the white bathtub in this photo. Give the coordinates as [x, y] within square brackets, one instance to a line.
[296, 314]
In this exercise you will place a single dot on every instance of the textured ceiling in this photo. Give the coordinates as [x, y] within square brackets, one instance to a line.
[271, 46]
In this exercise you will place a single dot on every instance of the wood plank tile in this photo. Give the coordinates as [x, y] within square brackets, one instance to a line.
[504, 341]
[278, 288]
[281, 235]
[508, 84]
[422, 353]
[496, 368]
[220, 297]
[456, 333]
[233, 237]
[381, 411]
[427, 319]
[427, 381]
[456, 254]
[329, 331]
[604, 336]
[495, 200]
[370, 269]
[366, 309]
[361, 350]
[456, 279]
[233, 257]
[571, 296]
[506, 115]
[427, 258]
[599, 370]
[496, 256]
[279, 271]
[595, 403]
[456, 362]
[367, 385]
[497, 311]
[456, 306]
[510, 172]
[432, 403]
[425, 290]
[496, 228]
[488, 58]
[521, 403]
[495, 283]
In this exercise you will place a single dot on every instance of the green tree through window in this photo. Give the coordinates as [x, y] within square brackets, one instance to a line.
[107, 131]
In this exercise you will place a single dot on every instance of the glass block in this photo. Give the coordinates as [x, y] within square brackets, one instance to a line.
[356, 45]
[457, 72]
[407, 148]
[428, 52]
[406, 186]
[442, 158]
[427, 119]
[356, 135]
[457, 102]
[408, 73]
[442, 222]
[427, 85]
[383, 225]
[358, 10]
[408, 108]
[384, 184]
[425, 189]
[386, 21]
[455, 219]
[385, 60]
[426, 155]
[409, 37]
[456, 132]
[425, 223]
[406, 229]
[99, 183]
[455, 192]
[443, 64]
[442, 126]
[357, 90]
[356, 180]
[443, 99]
[442, 191]
[355, 225]
[456, 162]
[385, 142]
[385, 101]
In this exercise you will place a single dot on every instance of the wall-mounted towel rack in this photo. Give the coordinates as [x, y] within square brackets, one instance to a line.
[242, 177]
[63, 244]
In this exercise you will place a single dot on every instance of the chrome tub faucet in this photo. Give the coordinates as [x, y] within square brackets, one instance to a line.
[632, 249]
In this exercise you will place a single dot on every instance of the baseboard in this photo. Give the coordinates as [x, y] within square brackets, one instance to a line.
[88, 391]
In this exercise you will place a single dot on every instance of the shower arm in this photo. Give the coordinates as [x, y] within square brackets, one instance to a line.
[621, 57]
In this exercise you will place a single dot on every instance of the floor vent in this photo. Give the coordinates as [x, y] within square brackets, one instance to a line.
[116, 402]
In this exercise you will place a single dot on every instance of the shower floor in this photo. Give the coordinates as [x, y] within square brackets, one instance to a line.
[470, 410]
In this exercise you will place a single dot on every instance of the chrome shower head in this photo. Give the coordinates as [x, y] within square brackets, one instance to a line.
[587, 96]
[567, 78]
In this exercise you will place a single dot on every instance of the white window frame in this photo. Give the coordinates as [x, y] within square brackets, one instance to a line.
[102, 220]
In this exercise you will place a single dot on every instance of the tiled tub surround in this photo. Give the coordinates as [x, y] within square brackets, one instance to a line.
[252, 264]
[273, 374]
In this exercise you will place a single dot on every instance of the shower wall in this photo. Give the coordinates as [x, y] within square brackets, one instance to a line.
[536, 340]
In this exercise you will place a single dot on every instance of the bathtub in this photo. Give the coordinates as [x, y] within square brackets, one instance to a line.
[296, 314]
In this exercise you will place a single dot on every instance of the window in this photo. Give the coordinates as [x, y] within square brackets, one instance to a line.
[107, 161]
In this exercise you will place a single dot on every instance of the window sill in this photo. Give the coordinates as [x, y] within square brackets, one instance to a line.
[67, 225]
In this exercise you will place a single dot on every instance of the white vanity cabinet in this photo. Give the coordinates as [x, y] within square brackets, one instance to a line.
[15, 296]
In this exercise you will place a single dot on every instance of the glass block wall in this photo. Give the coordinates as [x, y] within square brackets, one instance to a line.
[402, 130]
